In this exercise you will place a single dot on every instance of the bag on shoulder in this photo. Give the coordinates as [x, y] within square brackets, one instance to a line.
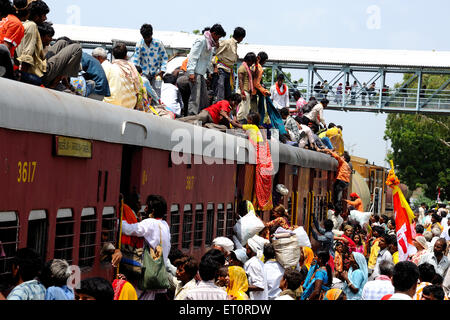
[154, 274]
[131, 259]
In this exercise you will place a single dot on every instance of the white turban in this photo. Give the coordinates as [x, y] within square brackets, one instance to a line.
[224, 242]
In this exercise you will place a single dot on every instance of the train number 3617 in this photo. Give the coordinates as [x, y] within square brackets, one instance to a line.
[26, 171]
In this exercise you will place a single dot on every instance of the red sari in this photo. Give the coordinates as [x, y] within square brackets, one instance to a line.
[350, 244]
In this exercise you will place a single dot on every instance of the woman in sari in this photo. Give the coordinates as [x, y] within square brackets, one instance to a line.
[238, 284]
[307, 257]
[319, 278]
[359, 243]
[356, 277]
[279, 218]
[422, 248]
[347, 238]
[123, 290]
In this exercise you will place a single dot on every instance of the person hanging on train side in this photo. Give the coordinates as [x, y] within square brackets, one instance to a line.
[342, 178]
[245, 77]
[156, 231]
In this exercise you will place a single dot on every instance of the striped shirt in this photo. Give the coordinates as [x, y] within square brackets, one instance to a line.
[206, 290]
[378, 288]
[30, 290]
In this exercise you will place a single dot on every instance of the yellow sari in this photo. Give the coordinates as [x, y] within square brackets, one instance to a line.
[238, 284]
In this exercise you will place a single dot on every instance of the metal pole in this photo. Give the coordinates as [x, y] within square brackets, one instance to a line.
[383, 80]
[419, 86]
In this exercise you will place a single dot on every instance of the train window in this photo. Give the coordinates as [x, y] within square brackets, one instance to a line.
[9, 229]
[87, 237]
[64, 235]
[175, 225]
[230, 220]
[187, 227]
[109, 227]
[198, 234]
[105, 191]
[220, 219]
[37, 232]
[209, 224]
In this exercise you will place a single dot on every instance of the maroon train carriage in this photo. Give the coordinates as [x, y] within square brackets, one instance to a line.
[65, 159]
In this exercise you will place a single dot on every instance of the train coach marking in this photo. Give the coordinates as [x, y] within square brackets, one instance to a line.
[26, 172]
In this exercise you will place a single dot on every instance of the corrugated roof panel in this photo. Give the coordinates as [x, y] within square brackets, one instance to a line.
[293, 54]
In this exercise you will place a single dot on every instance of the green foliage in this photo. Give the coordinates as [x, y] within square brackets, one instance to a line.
[196, 32]
[420, 152]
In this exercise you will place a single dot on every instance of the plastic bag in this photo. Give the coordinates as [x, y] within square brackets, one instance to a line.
[287, 251]
[360, 217]
[302, 237]
[247, 227]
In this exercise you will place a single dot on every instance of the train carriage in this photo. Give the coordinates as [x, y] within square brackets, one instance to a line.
[65, 160]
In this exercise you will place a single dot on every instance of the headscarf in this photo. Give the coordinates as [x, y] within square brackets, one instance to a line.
[362, 264]
[130, 72]
[238, 284]
[309, 256]
[210, 42]
[422, 241]
[354, 195]
[123, 290]
[332, 294]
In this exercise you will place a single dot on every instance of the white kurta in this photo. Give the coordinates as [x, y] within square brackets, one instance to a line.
[274, 273]
[256, 277]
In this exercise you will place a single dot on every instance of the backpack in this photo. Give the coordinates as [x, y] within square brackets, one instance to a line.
[309, 106]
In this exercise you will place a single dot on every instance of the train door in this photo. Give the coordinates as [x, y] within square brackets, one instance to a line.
[131, 168]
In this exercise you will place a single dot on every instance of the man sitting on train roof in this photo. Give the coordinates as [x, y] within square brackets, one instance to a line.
[124, 80]
[61, 60]
[214, 116]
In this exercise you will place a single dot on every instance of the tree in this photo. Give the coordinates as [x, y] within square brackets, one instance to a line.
[420, 151]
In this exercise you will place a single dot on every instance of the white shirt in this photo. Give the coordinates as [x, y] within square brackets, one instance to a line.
[170, 97]
[400, 296]
[316, 111]
[279, 101]
[149, 229]
[182, 291]
[378, 288]
[337, 220]
[206, 290]
[307, 137]
[274, 273]
[256, 277]
[441, 267]
[382, 256]
[285, 297]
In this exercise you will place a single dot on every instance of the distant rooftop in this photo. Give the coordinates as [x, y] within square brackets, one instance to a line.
[289, 54]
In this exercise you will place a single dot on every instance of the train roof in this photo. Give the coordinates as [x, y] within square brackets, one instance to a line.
[283, 54]
[30, 108]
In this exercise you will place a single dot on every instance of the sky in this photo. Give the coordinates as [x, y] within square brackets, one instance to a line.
[361, 24]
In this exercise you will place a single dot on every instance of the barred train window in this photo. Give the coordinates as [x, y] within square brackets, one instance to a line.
[87, 237]
[175, 225]
[187, 226]
[220, 220]
[64, 235]
[198, 235]
[109, 229]
[230, 215]
[37, 232]
[209, 224]
[9, 230]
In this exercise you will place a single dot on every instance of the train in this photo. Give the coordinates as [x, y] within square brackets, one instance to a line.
[65, 160]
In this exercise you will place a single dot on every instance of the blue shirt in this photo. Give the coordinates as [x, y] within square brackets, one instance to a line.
[30, 290]
[59, 293]
[150, 59]
[94, 71]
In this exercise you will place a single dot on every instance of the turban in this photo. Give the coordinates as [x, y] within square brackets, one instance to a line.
[223, 242]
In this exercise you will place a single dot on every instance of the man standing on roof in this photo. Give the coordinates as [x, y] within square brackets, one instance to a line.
[342, 179]
[225, 59]
[316, 114]
[258, 88]
[279, 93]
[200, 58]
[150, 55]
[356, 202]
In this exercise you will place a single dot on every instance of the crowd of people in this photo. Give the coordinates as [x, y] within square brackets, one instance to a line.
[348, 261]
[203, 90]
